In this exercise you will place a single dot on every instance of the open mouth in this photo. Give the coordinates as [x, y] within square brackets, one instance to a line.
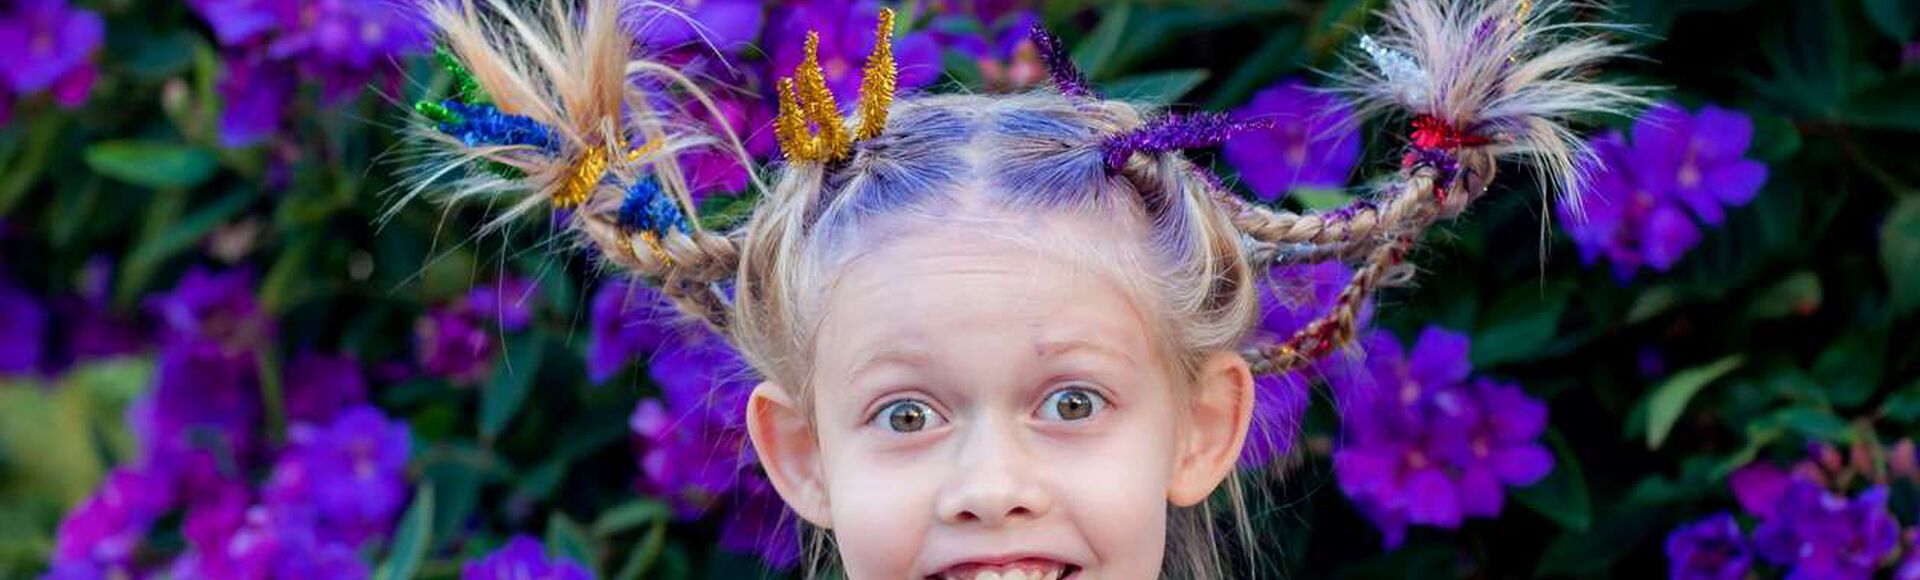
[1023, 569]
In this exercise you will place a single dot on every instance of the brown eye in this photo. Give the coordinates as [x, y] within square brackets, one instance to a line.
[907, 416]
[1072, 404]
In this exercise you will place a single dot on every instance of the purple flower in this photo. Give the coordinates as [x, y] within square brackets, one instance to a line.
[273, 44]
[350, 474]
[273, 543]
[51, 46]
[1312, 143]
[1433, 447]
[93, 330]
[199, 419]
[1709, 549]
[987, 12]
[23, 331]
[1676, 163]
[1819, 534]
[522, 559]
[1700, 158]
[451, 342]
[1759, 487]
[726, 25]
[508, 301]
[319, 386]
[105, 529]
[255, 92]
[236, 22]
[717, 169]
[213, 308]
[629, 321]
[846, 37]
[694, 445]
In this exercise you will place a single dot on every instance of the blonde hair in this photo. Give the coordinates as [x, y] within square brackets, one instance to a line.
[1497, 68]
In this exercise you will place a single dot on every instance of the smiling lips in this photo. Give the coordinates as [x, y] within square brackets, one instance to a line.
[1022, 569]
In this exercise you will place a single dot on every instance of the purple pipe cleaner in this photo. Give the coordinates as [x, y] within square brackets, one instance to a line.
[1066, 77]
[1173, 132]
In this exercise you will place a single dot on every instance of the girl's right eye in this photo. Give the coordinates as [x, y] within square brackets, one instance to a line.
[907, 416]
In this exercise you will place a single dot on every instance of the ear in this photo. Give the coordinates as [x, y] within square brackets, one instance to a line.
[783, 437]
[1216, 427]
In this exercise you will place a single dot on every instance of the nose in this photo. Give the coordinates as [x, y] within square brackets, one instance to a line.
[993, 481]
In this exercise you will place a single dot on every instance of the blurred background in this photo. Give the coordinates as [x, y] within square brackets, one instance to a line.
[226, 353]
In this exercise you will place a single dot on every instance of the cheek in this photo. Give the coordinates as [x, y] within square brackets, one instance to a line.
[882, 509]
[1116, 494]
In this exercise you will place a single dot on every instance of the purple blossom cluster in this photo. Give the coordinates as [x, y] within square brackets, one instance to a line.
[271, 45]
[335, 485]
[1425, 443]
[455, 341]
[1310, 140]
[1678, 167]
[522, 558]
[692, 442]
[50, 47]
[1818, 534]
[1802, 525]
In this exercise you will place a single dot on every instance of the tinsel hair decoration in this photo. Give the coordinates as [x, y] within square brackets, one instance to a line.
[553, 107]
[806, 101]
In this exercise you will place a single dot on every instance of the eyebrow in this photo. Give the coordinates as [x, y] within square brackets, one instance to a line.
[1051, 348]
[898, 355]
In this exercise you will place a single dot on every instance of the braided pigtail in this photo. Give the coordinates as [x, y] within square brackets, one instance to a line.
[1485, 81]
[552, 110]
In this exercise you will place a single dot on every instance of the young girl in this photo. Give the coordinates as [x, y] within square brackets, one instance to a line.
[1001, 336]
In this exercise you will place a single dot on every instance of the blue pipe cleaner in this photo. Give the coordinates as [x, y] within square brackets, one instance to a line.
[649, 209]
[479, 125]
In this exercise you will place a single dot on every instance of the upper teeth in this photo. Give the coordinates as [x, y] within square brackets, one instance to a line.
[1053, 574]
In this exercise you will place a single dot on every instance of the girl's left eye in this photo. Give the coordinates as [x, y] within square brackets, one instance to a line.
[1072, 404]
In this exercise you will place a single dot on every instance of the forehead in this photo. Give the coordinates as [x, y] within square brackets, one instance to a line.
[944, 290]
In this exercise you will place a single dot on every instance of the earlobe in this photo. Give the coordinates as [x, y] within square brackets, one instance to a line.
[789, 451]
[1218, 417]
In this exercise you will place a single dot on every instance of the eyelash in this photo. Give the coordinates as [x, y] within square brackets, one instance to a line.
[1050, 405]
[882, 418]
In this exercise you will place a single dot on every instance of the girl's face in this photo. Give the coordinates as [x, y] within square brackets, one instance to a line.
[985, 409]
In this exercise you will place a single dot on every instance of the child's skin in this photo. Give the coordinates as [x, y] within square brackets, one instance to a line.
[985, 405]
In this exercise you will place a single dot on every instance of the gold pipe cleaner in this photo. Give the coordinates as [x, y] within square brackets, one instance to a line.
[806, 100]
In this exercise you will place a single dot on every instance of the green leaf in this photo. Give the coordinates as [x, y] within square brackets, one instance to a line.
[645, 554]
[565, 539]
[1518, 325]
[630, 515]
[1156, 88]
[1903, 406]
[1893, 104]
[1900, 255]
[1652, 302]
[512, 380]
[1849, 368]
[1095, 52]
[1317, 199]
[1894, 18]
[410, 542]
[1669, 398]
[1272, 59]
[164, 238]
[1812, 423]
[154, 164]
[1798, 293]
[1562, 495]
[1775, 138]
[1591, 553]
